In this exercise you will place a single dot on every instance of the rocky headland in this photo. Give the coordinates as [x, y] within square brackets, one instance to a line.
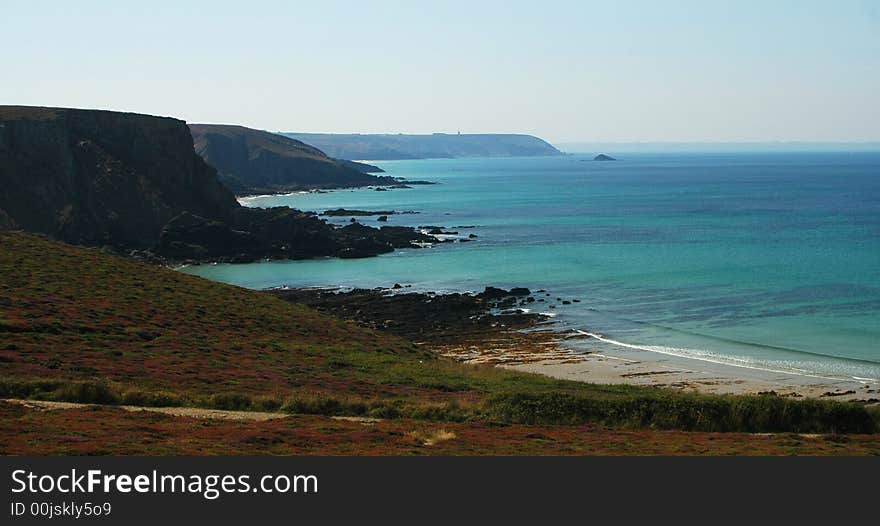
[251, 162]
[134, 184]
[433, 146]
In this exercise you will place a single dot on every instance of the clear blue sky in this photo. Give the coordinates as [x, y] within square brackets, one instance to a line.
[564, 70]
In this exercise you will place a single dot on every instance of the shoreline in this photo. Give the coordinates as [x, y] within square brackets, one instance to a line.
[397, 184]
[648, 368]
[497, 328]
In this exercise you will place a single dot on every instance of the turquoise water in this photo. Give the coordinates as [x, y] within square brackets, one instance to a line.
[769, 261]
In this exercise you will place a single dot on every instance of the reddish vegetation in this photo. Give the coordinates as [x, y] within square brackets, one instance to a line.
[79, 325]
[70, 313]
[111, 431]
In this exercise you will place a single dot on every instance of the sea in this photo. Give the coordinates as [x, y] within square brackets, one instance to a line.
[765, 261]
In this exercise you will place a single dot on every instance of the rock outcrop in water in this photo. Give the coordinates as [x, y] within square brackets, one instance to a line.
[603, 157]
[134, 183]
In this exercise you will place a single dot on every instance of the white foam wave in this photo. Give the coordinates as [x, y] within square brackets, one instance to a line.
[706, 356]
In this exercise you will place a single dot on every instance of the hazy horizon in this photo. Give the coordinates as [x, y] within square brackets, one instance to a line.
[716, 147]
[565, 71]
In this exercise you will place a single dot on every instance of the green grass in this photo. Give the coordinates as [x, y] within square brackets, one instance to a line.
[693, 412]
[623, 406]
[78, 325]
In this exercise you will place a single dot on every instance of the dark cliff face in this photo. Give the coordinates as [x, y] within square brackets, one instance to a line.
[134, 182]
[99, 177]
[252, 162]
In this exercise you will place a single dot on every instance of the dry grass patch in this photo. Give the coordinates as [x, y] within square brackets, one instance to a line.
[430, 438]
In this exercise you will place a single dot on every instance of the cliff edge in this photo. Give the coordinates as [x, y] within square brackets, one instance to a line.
[134, 183]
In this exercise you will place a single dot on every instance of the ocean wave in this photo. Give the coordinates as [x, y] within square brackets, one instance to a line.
[734, 361]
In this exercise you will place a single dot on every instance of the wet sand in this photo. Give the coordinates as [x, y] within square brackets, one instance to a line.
[638, 367]
[475, 329]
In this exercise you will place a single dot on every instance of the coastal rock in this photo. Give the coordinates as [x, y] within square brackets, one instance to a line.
[603, 157]
[135, 184]
[192, 236]
[435, 230]
[392, 236]
[347, 212]
[420, 183]
[494, 293]
[445, 317]
[382, 218]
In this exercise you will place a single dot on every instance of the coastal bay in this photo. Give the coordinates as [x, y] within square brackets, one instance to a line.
[723, 268]
[496, 328]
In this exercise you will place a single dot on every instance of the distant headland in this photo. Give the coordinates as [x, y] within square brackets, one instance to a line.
[434, 146]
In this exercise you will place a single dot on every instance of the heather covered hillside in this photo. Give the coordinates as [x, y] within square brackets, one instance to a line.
[79, 325]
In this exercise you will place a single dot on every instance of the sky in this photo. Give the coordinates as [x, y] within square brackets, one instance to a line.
[568, 71]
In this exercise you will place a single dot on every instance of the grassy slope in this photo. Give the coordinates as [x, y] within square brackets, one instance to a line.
[70, 314]
[80, 325]
[109, 431]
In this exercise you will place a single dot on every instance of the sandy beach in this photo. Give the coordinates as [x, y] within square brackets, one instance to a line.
[472, 329]
[639, 367]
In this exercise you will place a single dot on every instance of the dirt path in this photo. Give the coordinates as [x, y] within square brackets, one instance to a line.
[193, 412]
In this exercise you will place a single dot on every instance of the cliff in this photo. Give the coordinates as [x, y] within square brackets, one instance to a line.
[252, 161]
[100, 177]
[438, 145]
[134, 183]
